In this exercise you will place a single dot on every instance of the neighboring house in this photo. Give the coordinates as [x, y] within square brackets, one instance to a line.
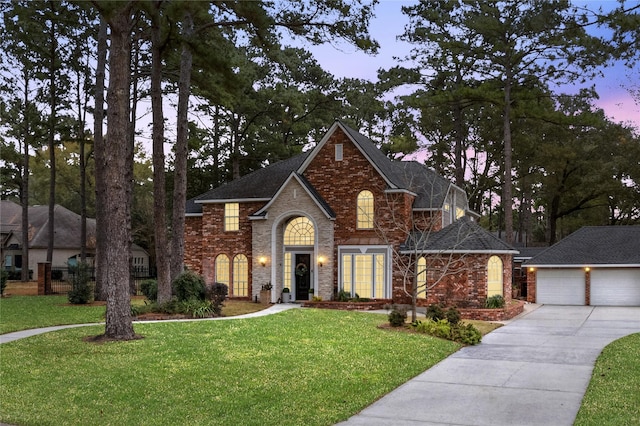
[66, 242]
[339, 218]
[596, 265]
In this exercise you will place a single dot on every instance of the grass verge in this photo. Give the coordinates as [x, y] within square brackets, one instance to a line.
[613, 395]
[312, 367]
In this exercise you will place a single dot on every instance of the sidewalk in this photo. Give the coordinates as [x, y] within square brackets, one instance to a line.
[274, 309]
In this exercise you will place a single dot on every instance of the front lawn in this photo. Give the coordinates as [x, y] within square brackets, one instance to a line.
[613, 395]
[302, 366]
[25, 312]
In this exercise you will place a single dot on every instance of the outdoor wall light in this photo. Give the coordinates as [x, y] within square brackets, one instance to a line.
[263, 261]
[321, 261]
[532, 269]
[587, 269]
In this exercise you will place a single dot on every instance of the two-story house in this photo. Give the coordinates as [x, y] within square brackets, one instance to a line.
[344, 217]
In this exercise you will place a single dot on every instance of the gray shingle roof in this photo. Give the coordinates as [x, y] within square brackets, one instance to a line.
[431, 189]
[260, 185]
[66, 226]
[593, 245]
[464, 235]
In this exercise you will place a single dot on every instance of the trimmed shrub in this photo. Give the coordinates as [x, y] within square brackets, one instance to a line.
[453, 316]
[397, 317]
[343, 296]
[189, 285]
[81, 291]
[150, 289]
[4, 276]
[216, 293]
[495, 302]
[435, 312]
[466, 334]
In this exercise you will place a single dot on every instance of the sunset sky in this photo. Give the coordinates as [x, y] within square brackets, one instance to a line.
[343, 60]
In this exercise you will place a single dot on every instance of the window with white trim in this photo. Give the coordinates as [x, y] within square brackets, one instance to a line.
[365, 273]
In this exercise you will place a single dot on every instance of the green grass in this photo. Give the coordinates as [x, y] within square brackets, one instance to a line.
[613, 395]
[25, 312]
[312, 367]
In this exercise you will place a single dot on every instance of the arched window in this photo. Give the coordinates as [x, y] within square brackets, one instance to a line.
[494, 276]
[222, 269]
[299, 232]
[240, 276]
[365, 210]
[421, 278]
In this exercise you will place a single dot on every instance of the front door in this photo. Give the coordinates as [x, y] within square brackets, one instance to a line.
[302, 275]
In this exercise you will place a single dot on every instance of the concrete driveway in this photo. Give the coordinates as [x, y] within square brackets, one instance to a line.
[533, 371]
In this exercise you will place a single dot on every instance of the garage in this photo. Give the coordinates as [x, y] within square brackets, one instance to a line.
[560, 287]
[611, 254]
[615, 287]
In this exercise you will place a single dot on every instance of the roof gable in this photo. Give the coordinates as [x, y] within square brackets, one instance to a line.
[309, 189]
[593, 245]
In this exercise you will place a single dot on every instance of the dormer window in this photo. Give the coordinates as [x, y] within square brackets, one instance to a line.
[231, 217]
[365, 210]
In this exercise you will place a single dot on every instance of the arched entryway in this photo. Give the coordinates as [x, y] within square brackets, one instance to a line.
[299, 242]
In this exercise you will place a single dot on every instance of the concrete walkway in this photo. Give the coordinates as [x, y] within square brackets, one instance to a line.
[533, 371]
[273, 309]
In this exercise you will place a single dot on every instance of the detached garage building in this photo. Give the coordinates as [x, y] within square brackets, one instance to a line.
[596, 265]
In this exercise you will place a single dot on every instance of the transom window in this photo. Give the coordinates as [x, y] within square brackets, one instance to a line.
[231, 217]
[299, 232]
[365, 210]
[494, 276]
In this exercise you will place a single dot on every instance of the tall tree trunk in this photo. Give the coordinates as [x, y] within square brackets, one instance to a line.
[52, 129]
[159, 193]
[99, 149]
[507, 193]
[459, 135]
[24, 184]
[116, 187]
[181, 150]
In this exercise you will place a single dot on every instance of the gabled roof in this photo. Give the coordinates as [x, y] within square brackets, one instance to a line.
[593, 245]
[430, 188]
[462, 236]
[66, 226]
[260, 185]
[311, 191]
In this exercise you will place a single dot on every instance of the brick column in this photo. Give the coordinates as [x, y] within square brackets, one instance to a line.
[44, 278]
[587, 286]
[531, 285]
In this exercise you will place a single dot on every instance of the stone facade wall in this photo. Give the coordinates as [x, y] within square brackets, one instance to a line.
[293, 201]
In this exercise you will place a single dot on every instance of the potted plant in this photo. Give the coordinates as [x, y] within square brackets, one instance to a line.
[310, 293]
[265, 294]
[286, 295]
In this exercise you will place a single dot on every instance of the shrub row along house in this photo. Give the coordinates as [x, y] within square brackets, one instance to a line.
[344, 218]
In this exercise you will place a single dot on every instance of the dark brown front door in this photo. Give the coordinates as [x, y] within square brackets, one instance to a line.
[302, 274]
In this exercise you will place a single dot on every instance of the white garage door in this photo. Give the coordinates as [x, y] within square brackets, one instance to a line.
[560, 286]
[615, 287]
